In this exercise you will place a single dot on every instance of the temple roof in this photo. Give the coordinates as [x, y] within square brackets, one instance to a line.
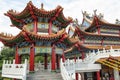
[81, 33]
[30, 37]
[30, 12]
[112, 62]
[101, 23]
[81, 47]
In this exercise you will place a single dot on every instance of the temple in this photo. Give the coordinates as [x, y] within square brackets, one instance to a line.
[44, 33]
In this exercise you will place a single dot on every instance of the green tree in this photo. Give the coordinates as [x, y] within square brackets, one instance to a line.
[7, 53]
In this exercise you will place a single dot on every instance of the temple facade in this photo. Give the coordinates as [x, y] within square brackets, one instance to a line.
[44, 33]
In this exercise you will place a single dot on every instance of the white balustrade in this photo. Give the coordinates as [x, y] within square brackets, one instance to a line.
[94, 56]
[12, 70]
[69, 67]
[65, 70]
[83, 67]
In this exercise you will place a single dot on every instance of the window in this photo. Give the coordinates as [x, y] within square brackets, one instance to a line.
[30, 27]
[42, 25]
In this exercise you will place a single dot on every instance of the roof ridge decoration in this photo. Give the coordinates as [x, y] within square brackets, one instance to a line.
[31, 11]
[6, 35]
[89, 17]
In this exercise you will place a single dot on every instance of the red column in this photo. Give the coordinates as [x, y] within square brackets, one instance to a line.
[32, 56]
[98, 75]
[20, 59]
[75, 58]
[63, 57]
[45, 64]
[53, 57]
[102, 41]
[35, 26]
[50, 27]
[76, 76]
[119, 32]
[83, 55]
[16, 56]
[57, 61]
[98, 30]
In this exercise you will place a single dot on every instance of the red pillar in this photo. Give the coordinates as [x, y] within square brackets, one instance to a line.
[98, 75]
[35, 27]
[102, 41]
[50, 27]
[76, 76]
[32, 56]
[119, 32]
[16, 56]
[53, 57]
[45, 64]
[83, 55]
[75, 58]
[63, 57]
[98, 30]
[20, 59]
[57, 61]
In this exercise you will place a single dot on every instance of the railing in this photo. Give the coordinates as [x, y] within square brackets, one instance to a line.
[40, 66]
[69, 67]
[94, 56]
[65, 71]
[12, 70]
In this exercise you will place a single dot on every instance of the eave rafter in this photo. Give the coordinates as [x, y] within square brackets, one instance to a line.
[57, 14]
[26, 37]
[65, 24]
[30, 7]
[79, 33]
[61, 39]
[13, 18]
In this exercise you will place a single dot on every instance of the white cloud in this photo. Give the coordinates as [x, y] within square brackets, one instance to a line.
[110, 9]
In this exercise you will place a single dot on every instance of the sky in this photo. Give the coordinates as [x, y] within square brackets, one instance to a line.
[72, 8]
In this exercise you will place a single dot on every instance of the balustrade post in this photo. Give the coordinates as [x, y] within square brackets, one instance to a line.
[104, 50]
[93, 51]
[98, 51]
[111, 50]
[116, 75]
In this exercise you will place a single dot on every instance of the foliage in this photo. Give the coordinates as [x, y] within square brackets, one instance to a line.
[7, 53]
[39, 58]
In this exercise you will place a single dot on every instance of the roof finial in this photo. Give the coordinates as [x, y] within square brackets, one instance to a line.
[42, 6]
[95, 11]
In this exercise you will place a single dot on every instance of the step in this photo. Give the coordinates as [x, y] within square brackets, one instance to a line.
[45, 75]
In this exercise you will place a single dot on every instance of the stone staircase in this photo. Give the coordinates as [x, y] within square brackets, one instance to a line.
[44, 75]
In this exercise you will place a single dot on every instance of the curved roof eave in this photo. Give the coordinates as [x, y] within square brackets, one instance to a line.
[21, 37]
[100, 22]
